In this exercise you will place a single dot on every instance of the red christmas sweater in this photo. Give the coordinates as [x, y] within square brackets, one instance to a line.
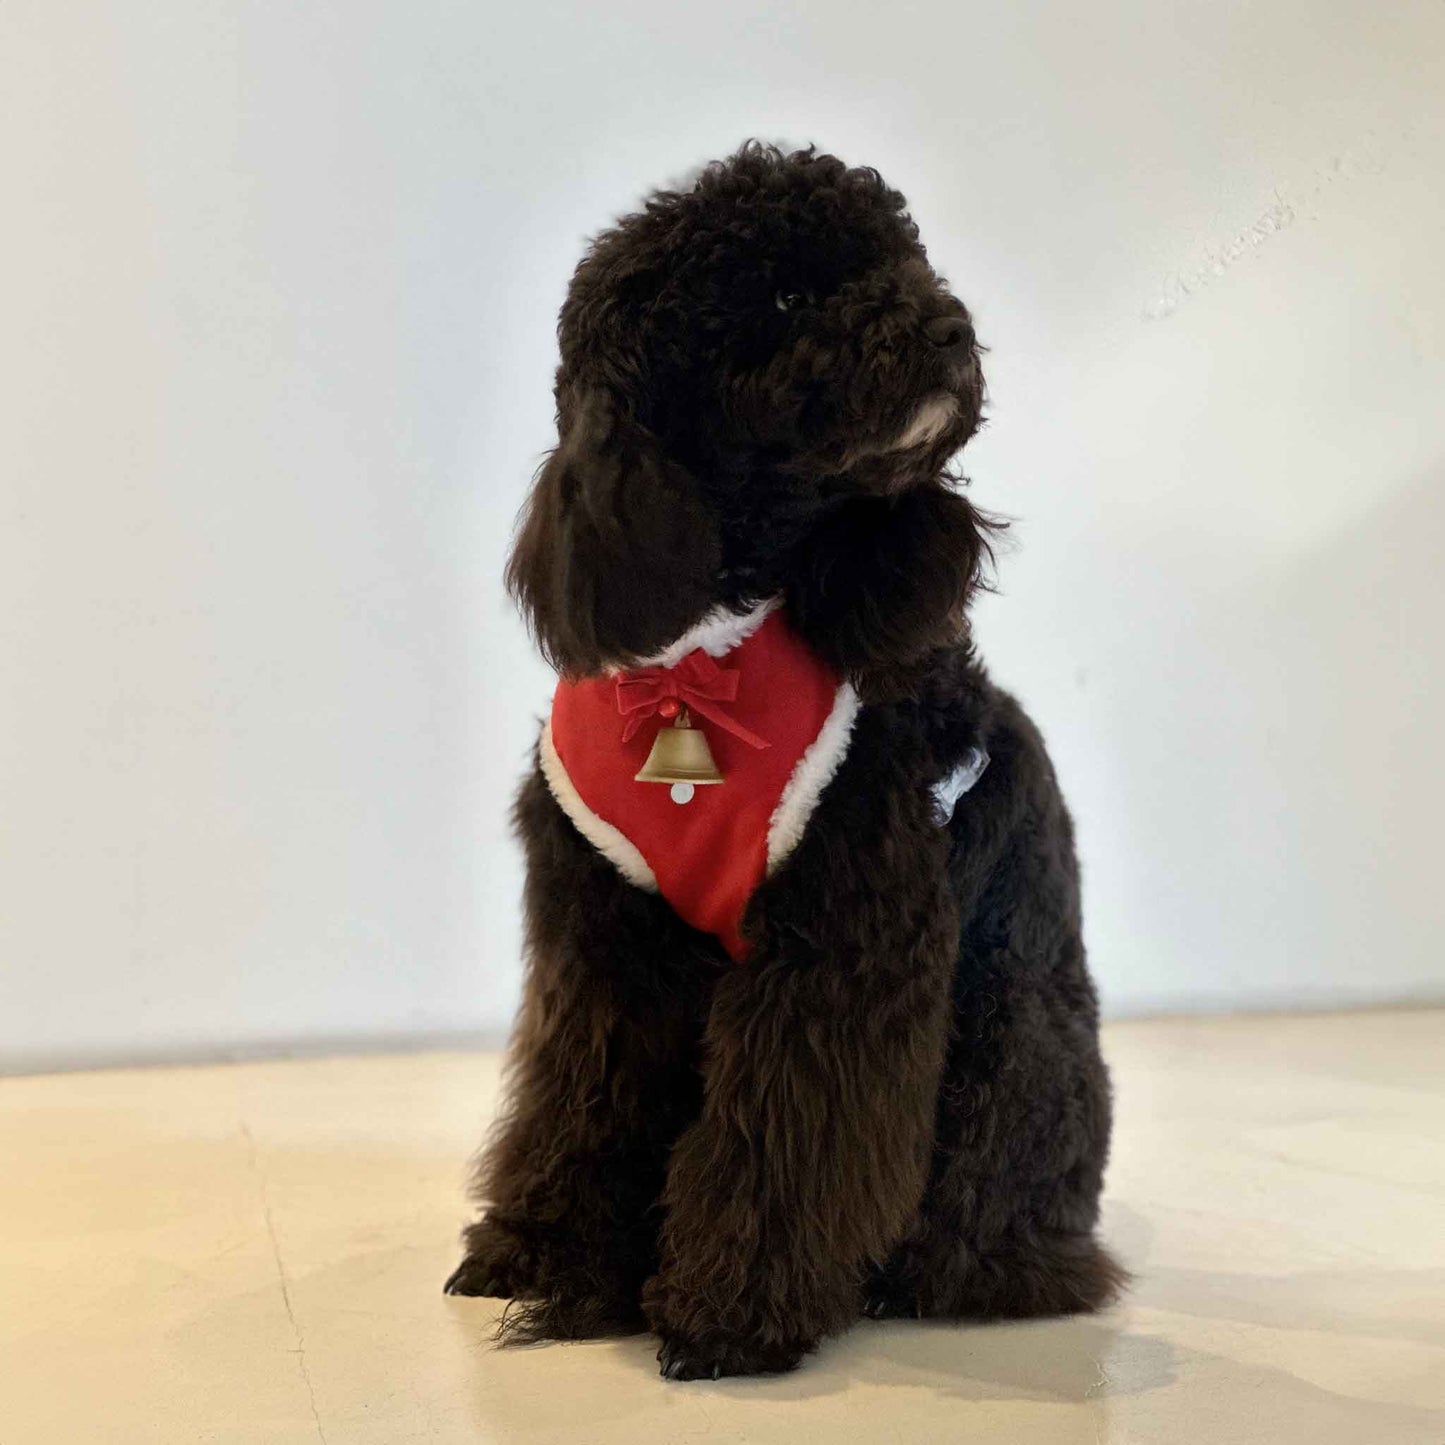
[777, 721]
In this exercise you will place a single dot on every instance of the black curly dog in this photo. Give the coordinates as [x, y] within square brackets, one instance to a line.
[896, 1105]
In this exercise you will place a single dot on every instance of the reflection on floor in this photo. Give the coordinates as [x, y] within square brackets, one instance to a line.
[255, 1253]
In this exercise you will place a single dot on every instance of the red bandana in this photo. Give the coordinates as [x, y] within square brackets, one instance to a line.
[776, 721]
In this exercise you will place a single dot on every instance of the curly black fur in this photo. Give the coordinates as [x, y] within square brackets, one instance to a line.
[897, 1104]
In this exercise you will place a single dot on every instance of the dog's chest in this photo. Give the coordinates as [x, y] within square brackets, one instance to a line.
[714, 813]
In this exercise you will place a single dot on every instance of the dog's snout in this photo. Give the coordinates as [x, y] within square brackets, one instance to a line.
[949, 332]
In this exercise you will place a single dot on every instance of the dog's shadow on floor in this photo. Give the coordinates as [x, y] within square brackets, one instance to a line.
[1067, 1361]
[1078, 1360]
[1061, 1361]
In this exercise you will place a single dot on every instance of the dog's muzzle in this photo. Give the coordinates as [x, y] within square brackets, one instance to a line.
[932, 416]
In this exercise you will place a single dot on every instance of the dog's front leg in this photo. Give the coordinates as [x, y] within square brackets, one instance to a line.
[602, 1079]
[823, 1055]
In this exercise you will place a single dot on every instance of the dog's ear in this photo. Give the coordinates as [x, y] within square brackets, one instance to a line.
[617, 553]
[883, 582]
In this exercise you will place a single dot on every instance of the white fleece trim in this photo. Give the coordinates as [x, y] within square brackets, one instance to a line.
[609, 841]
[811, 774]
[717, 634]
[949, 790]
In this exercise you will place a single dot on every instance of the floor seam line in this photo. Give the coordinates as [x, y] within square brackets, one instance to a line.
[281, 1277]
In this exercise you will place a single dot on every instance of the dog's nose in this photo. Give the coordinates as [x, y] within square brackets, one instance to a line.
[948, 332]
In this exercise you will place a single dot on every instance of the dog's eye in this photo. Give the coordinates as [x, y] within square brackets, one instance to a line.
[792, 300]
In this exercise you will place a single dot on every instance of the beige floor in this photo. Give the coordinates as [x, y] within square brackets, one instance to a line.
[255, 1253]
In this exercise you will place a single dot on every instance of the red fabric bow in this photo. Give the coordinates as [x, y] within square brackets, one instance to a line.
[697, 681]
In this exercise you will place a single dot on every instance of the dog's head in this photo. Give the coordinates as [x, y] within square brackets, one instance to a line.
[761, 377]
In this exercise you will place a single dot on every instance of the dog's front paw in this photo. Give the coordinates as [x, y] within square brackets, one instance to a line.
[683, 1360]
[480, 1277]
[497, 1264]
[705, 1340]
[887, 1300]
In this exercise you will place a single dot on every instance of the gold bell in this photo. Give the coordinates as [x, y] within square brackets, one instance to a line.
[680, 754]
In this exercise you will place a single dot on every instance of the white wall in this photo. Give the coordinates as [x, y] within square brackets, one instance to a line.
[278, 286]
